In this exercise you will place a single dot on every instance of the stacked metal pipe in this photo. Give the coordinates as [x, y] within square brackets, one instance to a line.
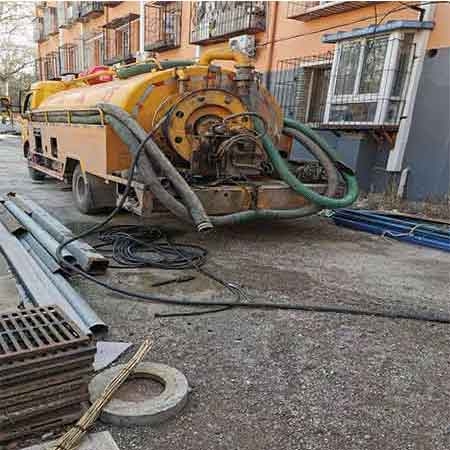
[29, 237]
[399, 228]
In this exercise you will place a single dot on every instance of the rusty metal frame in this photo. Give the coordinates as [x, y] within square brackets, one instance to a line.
[36, 331]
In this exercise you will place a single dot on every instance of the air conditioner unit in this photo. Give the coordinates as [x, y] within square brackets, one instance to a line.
[245, 43]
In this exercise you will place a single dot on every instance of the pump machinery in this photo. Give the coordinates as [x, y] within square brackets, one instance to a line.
[205, 142]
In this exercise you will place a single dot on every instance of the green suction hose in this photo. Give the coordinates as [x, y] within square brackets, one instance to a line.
[282, 168]
[137, 69]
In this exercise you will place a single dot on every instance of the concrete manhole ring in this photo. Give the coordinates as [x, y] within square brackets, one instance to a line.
[150, 411]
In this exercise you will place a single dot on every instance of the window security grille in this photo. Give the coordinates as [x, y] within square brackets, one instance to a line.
[217, 21]
[362, 85]
[121, 39]
[162, 25]
[301, 87]
[69, 59]
[94, 52]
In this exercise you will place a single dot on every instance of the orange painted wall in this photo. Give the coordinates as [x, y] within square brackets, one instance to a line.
[292, 38]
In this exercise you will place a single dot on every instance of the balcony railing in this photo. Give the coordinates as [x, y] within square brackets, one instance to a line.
[50, 21]
[217, 21]
[121, 39]
[51, 67]
[38, 29]
[162, 26]
[69, 59]
[89, 10]
[309, 10]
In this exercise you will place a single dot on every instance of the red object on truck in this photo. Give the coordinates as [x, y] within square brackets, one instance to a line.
[101, 78]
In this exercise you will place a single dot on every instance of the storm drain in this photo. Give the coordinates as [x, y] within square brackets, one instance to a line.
[45, 367]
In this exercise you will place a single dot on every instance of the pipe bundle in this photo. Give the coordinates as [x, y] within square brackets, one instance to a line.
[401, 229]
[29, 238]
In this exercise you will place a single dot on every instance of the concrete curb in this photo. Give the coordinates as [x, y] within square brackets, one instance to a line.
[150, 411]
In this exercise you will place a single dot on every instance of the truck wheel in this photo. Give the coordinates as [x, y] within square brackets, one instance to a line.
[35, 175]
[90, 193]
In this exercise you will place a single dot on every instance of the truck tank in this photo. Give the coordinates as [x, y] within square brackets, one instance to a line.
[215, 126]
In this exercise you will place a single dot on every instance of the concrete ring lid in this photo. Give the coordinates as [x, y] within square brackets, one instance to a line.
[149, 411]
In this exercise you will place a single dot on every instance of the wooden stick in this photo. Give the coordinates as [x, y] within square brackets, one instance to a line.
[71, 440]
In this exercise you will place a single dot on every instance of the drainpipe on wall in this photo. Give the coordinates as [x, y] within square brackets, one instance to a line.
[268, 75]
[395, 161]
[141, 53]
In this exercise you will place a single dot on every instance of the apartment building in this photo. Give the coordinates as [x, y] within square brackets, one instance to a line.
[372, 77]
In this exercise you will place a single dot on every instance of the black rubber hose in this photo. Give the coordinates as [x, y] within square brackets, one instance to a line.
[190, 199]
[265, 305]
[146, 168]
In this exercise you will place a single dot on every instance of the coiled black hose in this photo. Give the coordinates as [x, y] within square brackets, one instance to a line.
[134, 246]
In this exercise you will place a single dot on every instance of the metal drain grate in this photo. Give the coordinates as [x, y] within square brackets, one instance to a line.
[36, 331]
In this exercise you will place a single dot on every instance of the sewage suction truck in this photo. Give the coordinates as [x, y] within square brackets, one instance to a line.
[206, 142]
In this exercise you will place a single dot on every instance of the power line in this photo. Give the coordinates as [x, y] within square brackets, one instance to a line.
[364, 19]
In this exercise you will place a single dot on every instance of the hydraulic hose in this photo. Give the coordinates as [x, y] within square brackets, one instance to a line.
[275, 214]
[286, 175]
[191, 208]
[189, 198]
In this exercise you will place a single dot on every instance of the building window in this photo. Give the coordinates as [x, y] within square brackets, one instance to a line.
[121, 37]
[301, 87]
[38, 69]
[362, 85]
[304, 11]
[93, 51]
[51, 66]
[50, 22]
[67, 12]
[38, 29]
[368, 80]
[218, 21]
[69, 59]
[162, 25]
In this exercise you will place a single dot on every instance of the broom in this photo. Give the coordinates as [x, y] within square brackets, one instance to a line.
[72, 439]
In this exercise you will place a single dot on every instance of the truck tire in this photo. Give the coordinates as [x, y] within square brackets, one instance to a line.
[90, 193]
[35, 175]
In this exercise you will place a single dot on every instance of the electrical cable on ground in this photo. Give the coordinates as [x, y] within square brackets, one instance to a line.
[220, 305]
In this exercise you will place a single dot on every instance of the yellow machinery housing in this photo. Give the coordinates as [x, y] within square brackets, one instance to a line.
[206, 119]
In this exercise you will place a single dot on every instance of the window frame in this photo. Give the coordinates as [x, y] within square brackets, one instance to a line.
[391, 61]
[313, 65]
[90, 49]
[125, 44]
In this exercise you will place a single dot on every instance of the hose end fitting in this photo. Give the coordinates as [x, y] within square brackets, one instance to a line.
[204, 227]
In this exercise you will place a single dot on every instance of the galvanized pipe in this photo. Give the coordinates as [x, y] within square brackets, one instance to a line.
[84, 311]
[37, 285]
[86, 256]
[42, 236]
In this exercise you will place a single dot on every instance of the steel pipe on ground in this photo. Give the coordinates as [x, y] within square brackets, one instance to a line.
[84, 311]
[86, 256]
[37, 285]
[43, 237]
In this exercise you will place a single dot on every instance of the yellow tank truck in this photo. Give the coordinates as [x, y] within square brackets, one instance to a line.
[207, 143]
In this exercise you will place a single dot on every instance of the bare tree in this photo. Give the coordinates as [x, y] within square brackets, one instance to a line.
[16, 50]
